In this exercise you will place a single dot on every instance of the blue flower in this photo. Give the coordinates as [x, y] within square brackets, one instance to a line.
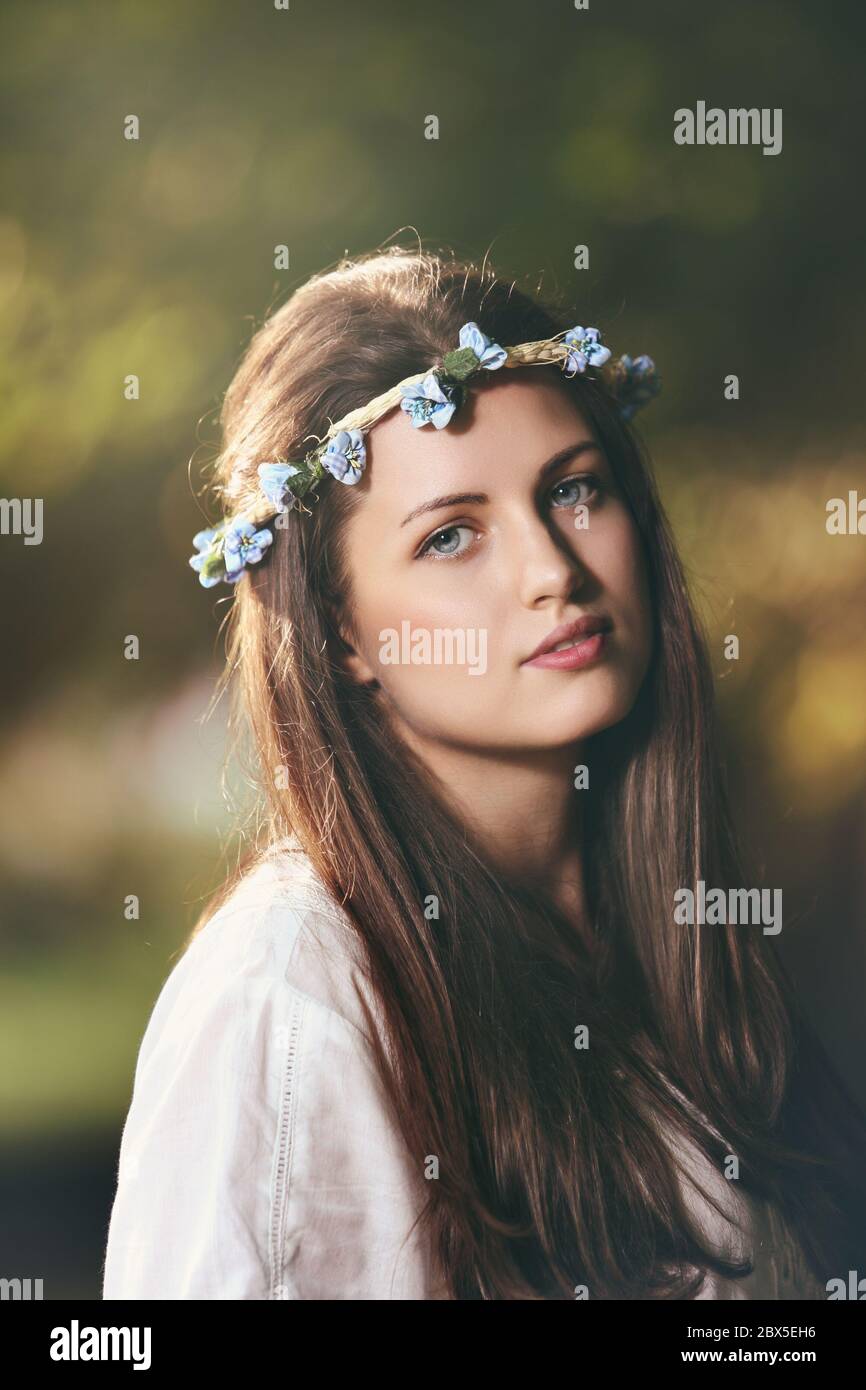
[346, 456]
[203, 540]
[209, 545]
[244, 545]
[489, 354]
[274, 479]
[636, 383]
[586, 350]
[476, 351]
[425, 402]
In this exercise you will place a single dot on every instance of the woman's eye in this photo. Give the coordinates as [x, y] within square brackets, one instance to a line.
[571, 492]
[446, 542]
[572, 488]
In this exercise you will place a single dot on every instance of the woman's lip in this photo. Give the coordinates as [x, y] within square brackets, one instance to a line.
[574, 631]
[572, 658]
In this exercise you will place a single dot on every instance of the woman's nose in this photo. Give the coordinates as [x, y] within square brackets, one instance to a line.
[547, 567]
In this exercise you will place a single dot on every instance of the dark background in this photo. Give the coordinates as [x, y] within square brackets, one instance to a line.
[305, 127]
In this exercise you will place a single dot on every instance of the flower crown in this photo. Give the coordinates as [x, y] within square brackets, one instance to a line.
[428, 398]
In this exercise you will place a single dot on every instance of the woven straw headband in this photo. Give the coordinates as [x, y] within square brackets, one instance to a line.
[428, 398]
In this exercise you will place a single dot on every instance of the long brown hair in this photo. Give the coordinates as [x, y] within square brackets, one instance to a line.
[552, 1170]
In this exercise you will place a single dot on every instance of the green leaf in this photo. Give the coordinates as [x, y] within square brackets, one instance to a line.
[214, 564]
[460, 364]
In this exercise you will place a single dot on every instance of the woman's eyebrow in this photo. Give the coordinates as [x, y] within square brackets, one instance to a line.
[454, 499]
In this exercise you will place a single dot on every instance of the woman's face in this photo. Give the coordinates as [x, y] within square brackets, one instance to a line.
[469, 545]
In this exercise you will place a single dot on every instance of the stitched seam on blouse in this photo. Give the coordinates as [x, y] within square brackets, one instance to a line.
[283, 1157]
[319, 902]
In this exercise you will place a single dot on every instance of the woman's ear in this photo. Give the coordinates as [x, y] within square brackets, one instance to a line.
[351, 660]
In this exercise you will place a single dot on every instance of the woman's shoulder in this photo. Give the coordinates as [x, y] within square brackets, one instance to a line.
[256, 1098]
[278, 930]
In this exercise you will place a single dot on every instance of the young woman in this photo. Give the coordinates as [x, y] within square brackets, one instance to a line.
[442, 1035]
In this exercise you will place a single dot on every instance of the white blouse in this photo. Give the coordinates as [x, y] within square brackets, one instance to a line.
[259, 1157]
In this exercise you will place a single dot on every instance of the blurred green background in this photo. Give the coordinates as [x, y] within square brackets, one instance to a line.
[305, 127]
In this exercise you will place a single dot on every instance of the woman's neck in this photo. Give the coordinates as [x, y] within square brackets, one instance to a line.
[523, 810]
